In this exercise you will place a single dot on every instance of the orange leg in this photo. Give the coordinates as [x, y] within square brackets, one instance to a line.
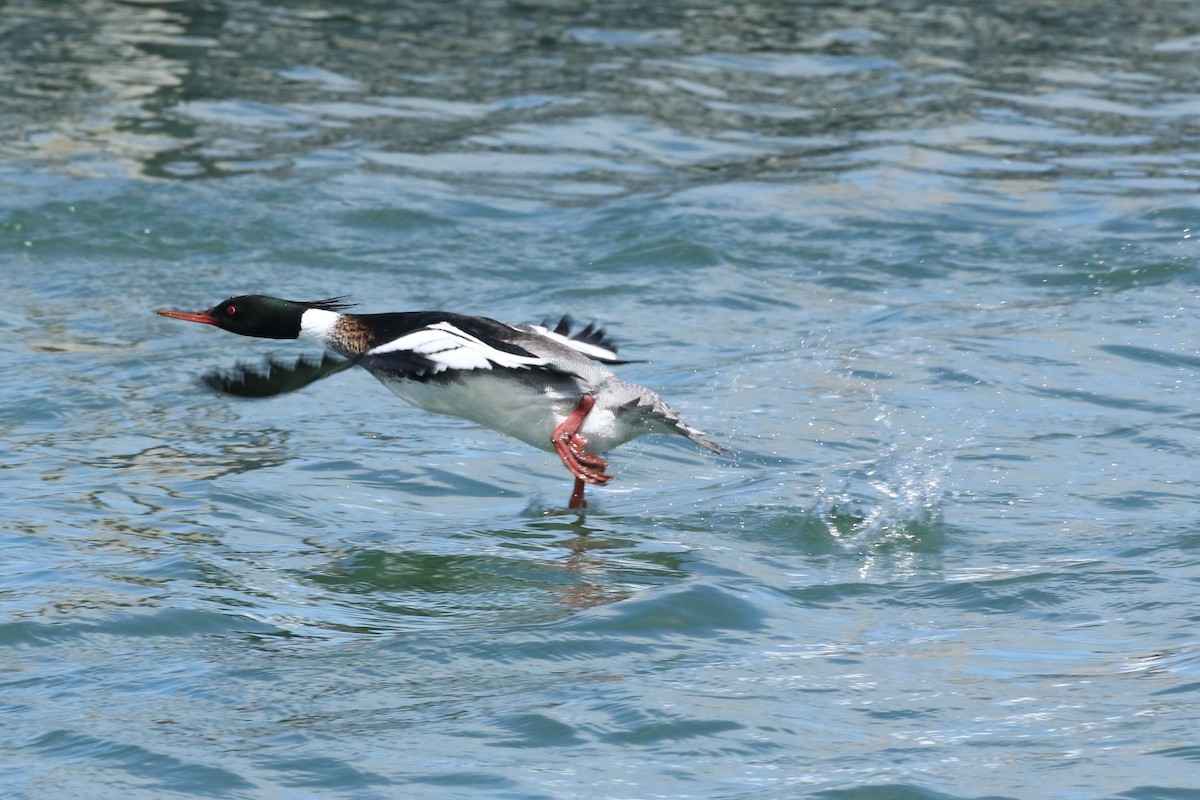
[577, 500]
[571, 447]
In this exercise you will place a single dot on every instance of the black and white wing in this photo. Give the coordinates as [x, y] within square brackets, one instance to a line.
[591, 341]
[273, 376]
[448, 346]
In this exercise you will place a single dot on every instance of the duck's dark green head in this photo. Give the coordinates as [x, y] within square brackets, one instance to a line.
[257, 315]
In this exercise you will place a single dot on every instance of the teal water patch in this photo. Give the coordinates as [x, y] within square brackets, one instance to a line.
[114, 765]
[893, 791]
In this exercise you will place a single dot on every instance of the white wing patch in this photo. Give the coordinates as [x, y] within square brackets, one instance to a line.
[589, 350]
[450, 348]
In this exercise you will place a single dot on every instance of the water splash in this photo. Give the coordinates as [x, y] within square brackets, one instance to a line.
[907, 483]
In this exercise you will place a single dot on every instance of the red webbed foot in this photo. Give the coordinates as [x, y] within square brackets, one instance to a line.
[571, 447]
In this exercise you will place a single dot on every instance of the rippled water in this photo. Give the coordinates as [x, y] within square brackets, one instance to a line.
[930, 270]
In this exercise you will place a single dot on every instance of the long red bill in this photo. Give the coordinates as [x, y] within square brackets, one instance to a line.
[202, 317]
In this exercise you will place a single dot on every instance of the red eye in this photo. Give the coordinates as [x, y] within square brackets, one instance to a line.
[231, 310]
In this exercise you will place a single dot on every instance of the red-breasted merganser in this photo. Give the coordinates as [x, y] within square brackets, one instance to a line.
[548, 387]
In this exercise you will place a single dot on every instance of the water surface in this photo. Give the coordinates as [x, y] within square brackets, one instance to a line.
[930, 271]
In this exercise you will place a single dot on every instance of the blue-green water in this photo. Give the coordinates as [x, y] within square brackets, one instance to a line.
[931, 270]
